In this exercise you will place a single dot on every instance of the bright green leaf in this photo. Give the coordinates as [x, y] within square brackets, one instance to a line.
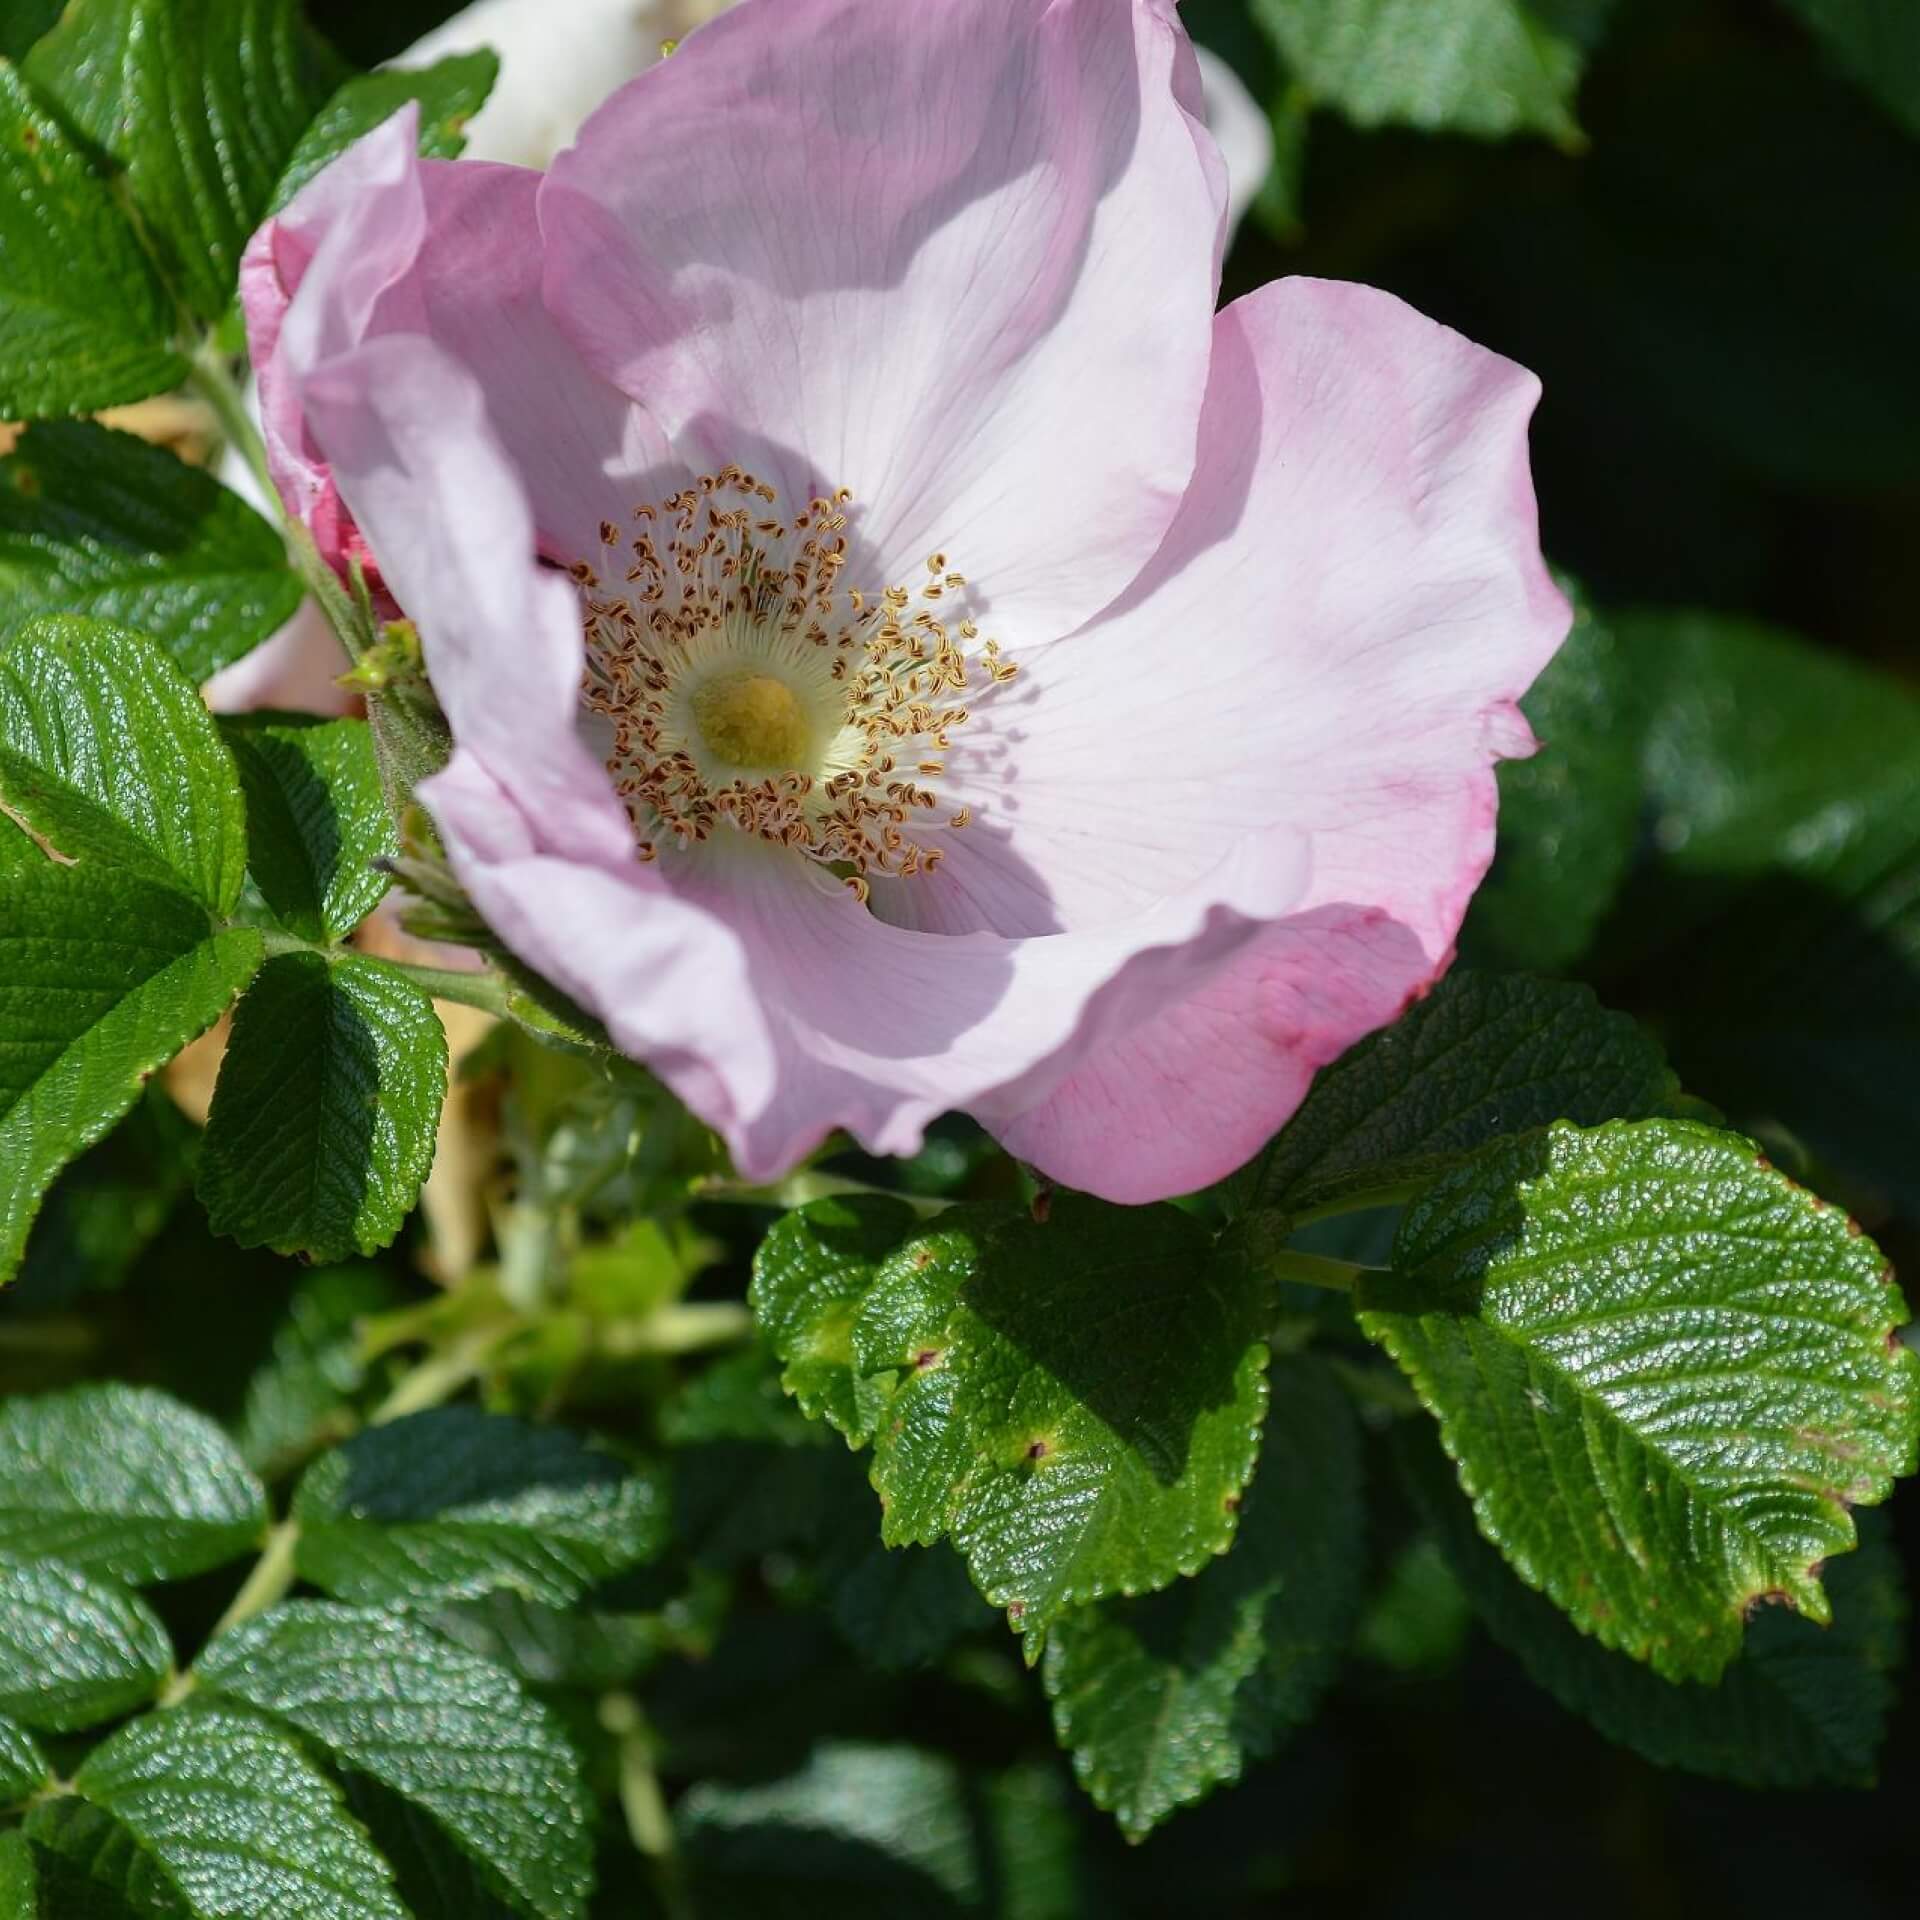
[449, 1732]
[123, 1483]
[1486, 67]
[201, 103]
[450, 93]
[100, 523]
[1163, 1698]
[317, 819]
[1666, 1374]
[84, 323]
[74, 1651]
[244, 1824]
[23, 1767]
[89, 1867]
[102, 981]
[1078, 1403]
[322, 1124]
[107, 752]
[1482, 1055]
[1876, 42]
[453, 1503]
[810, 1276]
[1803, 1706]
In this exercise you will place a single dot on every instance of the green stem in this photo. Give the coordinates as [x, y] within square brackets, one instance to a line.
[685, 1327]
[440, 1376]
[1315, 1270]
[797, 1189]
[1361, 1199]
[269, 1583]
[485, 989]
[644, 1805]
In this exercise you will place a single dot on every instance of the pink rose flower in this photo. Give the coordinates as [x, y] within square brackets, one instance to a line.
[904, 650]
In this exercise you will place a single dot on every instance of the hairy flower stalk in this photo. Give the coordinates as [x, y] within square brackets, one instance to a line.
[904, 649]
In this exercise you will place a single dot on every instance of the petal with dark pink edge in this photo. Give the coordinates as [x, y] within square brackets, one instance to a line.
[1335, 635]
[957, 256]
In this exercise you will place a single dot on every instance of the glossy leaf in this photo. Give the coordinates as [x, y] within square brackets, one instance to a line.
[74, 1651]
[317, 819]
[123, 1483]
[200, 103]
[100, 523]
[449, 1732]
[84, 321]
[89, 1867]
[23, 1767]
[1077, 1403]
[1803, 1706]
[322, 1124]
[810, 1276]
[453, 1503]
[1163, 1698]
[450, 93]
[1482, 1055]
[1666, 1374]
[241, 1820]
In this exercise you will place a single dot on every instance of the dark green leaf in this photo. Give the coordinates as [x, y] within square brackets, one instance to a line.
[451, 1733]
[123, 1483]
[317, 819]
[100, 523]
[1482, 1055]
[22, 22]
[74, 1651]
[450, 93]
[809, 1277]
[201, 103]
[322, 1125]
[23, 1767]
[452, 1503]
[1666, 1374]
[578, 1646]
[1487, 67]
[1419, 1618]
[84, 323]
[107, 753]
[435, 1880]
[1803, 1706]
[303, 1394]
[1876, 42]
[102, 980]
[243, 1823]
[903, 1607]
[89, 1867]
[1163, 1698]
[1570, 815]
[1078, 1403]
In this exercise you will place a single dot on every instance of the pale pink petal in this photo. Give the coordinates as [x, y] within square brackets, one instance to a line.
[957, 257]
[1334, 635]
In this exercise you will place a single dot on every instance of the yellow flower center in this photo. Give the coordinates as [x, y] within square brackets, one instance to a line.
[753, 720]
[746, 688]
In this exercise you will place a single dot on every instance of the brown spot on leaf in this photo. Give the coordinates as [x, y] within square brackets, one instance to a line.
[922, 1259]
[1042, 1206]
[926, 1357]
[1037, 1449]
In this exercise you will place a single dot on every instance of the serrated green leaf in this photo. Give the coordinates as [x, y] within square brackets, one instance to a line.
[1803, 1706]
[243, 1823]
[453, 1503]
[450, 93]
[23, 1767]
[201, 103]
[91, 1868]
[317, 819]
[1077, 1403]
[84, 321]
[1485, 67]
[1666, 1374]
[123, 1483]
[1778, 931]
[100, 523]
[810, 1276]
[323, 1121]
[1163, 1698]
[1876, 44]
[1570, 815]
[103, 979]
[1482, 1055]
[582, 1647]
[107, 752]
[449, 1732]
[302, 1395]
[435, 1880]
[74, 1651]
